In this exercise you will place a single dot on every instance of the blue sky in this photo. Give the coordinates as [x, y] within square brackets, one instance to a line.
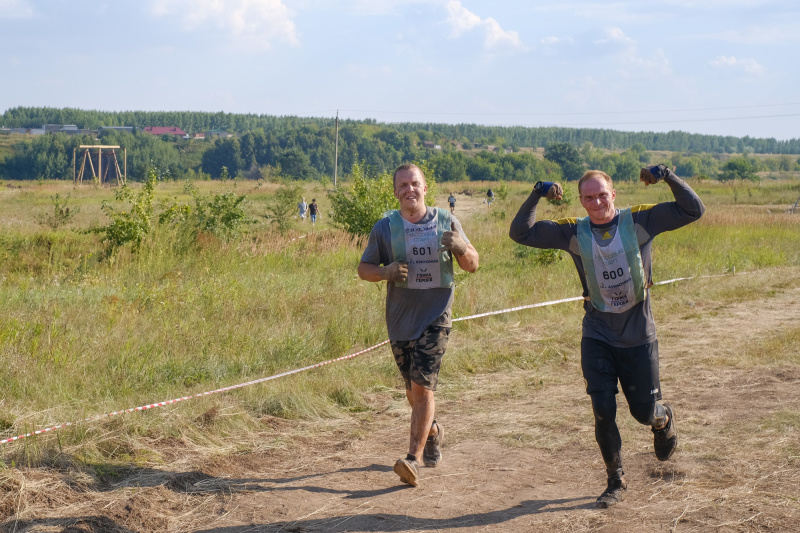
[726, 67]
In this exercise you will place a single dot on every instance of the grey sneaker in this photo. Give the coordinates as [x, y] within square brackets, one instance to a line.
[665, 440]
[408, 471]
[432, 455]
[615, 492]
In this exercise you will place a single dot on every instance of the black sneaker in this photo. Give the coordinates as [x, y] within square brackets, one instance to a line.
[432, 455]
[615, 492]
[665, 440]
[408, 470]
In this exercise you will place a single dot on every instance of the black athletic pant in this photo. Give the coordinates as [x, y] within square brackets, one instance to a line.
[636, 369]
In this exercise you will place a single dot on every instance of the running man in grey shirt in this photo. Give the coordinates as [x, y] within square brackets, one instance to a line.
[413, 250]
[611, 249]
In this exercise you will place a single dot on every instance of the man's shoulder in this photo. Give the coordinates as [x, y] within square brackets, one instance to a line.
[642, 207]
[382, 223]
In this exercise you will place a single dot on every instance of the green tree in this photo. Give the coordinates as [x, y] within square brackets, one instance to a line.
[626, 169]
[357, 208]
[738, 168]
[568, 158]
[295, 164]
[370, 196]
[282, 206]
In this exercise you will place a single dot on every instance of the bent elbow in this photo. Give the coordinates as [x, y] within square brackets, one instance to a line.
[362, 271]
[516, 235]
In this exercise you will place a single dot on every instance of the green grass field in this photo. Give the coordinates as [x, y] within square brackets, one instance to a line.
[82, 336]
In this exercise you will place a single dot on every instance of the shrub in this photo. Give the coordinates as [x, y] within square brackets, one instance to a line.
[282, 206]
[370, 197]
[61, 214]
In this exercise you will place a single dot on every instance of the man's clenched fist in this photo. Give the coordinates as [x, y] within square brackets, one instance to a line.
[654, 174]
[549, 190]
[397, 271]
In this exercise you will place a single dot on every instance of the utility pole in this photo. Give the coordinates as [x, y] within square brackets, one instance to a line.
[336, 151]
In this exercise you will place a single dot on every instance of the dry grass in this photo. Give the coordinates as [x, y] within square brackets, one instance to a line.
[309, 452]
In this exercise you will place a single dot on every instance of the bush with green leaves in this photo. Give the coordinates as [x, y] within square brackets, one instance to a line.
[370, 196]
[539, 256]
[61, 214]
[738, 168]
[283, 205]
[501, 191]
[132, 224]
[220, 214]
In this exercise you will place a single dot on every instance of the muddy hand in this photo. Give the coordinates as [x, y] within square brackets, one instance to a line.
[453, 242]
[397, 271]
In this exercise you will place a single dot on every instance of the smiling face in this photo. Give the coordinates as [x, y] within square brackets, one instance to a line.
[597, 197]
[410, 189]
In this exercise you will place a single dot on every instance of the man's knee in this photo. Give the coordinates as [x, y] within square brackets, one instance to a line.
[644, 412]
[604, 406]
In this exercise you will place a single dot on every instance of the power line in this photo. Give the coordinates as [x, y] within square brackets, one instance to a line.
[692, 109]
[676, 121]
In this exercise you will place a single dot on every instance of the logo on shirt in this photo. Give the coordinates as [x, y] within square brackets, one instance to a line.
[606, 236]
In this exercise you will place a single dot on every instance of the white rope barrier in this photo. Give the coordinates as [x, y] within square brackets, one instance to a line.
[310, 367]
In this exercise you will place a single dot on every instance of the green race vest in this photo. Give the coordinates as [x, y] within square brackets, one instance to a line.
[615, 274]
[427, 258]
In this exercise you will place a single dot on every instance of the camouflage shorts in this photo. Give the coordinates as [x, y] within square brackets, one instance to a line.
[419, 360]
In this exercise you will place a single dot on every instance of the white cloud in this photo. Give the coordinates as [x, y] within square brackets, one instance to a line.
[461, 20]
[256, 21]
[617, 36]
[12, 9]
[385, 7]
[750, 66]
[627, 54]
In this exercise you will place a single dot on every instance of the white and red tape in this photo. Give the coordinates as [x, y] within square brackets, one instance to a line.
[297, 370]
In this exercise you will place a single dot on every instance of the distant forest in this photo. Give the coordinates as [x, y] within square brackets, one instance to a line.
[262, 146]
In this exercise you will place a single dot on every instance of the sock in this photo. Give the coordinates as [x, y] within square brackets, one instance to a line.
[410, 457]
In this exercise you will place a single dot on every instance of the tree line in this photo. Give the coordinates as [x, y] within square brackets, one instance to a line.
[304, 149]
[505, 136]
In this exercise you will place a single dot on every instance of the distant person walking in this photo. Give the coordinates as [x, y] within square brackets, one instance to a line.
[313, 210]
[302, 207]
[452, 201]
[611, 249]
[413, 250]
[489, 197]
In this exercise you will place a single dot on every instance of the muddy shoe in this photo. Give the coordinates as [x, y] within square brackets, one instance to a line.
[408, 470]
[665, 440]
[432, 455]
[615, 493]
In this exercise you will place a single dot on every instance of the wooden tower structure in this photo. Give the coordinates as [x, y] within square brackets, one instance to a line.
[107, 152]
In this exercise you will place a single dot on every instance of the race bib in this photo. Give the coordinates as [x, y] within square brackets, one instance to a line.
[614, 273]
[418, 245]
[422, 245]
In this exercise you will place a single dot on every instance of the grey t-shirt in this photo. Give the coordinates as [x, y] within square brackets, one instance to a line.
[409, 311]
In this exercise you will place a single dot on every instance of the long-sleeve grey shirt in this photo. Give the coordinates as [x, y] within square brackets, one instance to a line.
[635, 326]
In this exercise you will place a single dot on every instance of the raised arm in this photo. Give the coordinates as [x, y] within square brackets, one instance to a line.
[545, 233]
[667, 216]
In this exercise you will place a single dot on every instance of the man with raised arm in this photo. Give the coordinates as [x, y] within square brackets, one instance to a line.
[412, 249]
[611, 249]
